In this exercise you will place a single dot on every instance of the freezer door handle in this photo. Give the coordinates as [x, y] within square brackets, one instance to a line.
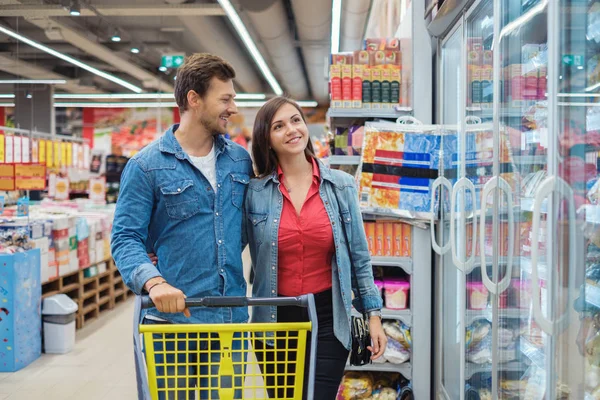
[442, 182]
[496, 183]
[467, 185]
[549, 186]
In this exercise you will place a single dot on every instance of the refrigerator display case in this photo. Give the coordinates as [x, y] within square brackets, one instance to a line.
[518, 283]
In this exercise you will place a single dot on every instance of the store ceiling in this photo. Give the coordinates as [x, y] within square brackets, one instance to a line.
[293, 37]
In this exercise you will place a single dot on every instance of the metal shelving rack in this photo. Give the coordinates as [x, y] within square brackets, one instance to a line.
[417, 317]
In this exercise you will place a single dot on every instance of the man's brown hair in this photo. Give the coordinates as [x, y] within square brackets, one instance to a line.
[195, 74]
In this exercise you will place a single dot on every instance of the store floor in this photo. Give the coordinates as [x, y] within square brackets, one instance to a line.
[100, 367]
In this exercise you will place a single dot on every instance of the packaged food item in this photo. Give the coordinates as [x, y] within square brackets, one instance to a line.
[481, 353]
[395, 353]
[477, 331]
[335, 78]
[379, 284]
[388, 235]
[397, 232]
[396, 293]
[477, 296]
[355, 385]
[379, 239]
[370, 232]
[347, 85]
[406, 240]
[398, 331]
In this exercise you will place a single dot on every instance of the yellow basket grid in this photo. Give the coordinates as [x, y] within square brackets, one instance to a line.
[226, 361]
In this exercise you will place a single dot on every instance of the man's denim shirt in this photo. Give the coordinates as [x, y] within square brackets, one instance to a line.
[166, 205]
[263, 211]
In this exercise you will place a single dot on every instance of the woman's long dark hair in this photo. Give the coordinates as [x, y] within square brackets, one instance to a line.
[265, 159]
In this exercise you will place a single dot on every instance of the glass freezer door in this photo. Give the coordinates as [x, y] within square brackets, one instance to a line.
[450, 334]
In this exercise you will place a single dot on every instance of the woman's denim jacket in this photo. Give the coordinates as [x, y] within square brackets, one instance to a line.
[263, 205]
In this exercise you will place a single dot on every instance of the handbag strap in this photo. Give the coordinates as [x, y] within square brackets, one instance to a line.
[352, 269]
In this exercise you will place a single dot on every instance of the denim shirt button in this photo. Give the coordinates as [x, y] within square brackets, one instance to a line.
[273, 268]
[217, 213]
[273, 244]
[326, 203]
[333, 223]
[273, 316]
[179, 189]
[220, 241]
[272, 291]
[275, 220]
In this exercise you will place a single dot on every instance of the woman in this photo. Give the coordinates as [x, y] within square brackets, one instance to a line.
[295, 208]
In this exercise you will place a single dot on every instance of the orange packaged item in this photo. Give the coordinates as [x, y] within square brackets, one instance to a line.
[407, 240]
[347, 86]
[357, 85]
[370, 231]
[397, 244]
[379, 239]
[388, 234]
[335, 75]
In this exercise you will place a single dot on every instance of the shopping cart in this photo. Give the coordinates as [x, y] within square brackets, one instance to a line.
[218, 361]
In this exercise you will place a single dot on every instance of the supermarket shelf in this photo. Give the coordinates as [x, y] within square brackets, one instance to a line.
[511, 313]
[592, 295]
[473, 369]
[533, 353]
[402, 315]
[400, 262]
[369, 112]
[374, 212]
[523, 262]
[505, 111]
[344, 160]
[405, 369]
[530, 160]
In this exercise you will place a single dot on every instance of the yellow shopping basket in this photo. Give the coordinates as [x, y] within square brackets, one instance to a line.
[227, 361]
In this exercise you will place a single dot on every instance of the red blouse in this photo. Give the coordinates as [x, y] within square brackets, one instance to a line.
[306, 244]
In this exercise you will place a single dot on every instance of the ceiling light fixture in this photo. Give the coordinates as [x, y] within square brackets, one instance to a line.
[7, 104]
[116, 37]
[71, 60]
[162, 68]
[141, 96]
[135, 50]
[239, 26]
[336, 16]
[91, 104]
[33, 81]
[28, 95]
[75, 8]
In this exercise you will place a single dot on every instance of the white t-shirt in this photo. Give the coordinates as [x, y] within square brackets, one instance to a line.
[208, 166]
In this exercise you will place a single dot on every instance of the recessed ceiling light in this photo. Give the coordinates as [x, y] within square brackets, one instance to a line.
[116, 37]
[135, 50]
[75, 9]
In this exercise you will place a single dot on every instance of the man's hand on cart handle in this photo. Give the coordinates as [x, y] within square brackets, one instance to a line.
[378, 338]
[165, 297]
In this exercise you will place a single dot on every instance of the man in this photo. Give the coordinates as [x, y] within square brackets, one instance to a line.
[181, 197]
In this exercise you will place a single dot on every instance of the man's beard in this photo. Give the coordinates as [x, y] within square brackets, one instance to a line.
[213, 127]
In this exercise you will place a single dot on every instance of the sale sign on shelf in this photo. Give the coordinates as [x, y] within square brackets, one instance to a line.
[98, 190]
[7, 177]
[61, 190]
[30, 177]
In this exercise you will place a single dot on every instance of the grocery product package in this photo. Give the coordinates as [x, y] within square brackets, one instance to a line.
[354, 386]
[398, 166]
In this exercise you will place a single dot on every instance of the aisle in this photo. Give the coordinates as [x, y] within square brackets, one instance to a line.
[100, 367]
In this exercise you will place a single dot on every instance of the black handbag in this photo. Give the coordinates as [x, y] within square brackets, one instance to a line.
[359, 326]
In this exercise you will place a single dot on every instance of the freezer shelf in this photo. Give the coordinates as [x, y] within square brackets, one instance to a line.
[401, 315]
[369, 112]
[400, 262]
[405, 369]
[512, 313]
[534, 354]
[524, 262]
[512, 366]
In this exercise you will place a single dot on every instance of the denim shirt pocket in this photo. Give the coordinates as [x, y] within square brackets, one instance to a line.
[258, 223]
[181, 199]
[346, 219]
[239, 183]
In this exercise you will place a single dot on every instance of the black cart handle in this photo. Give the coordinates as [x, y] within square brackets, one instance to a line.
[236, 301]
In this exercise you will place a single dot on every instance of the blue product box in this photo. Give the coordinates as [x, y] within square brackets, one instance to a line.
[20, 310]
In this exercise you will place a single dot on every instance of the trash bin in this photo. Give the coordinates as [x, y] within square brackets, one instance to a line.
[58, 316]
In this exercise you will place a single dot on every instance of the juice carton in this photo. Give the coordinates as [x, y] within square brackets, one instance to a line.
[388, 233]
[376, 87]
[367, 92]
[397, 245]
[370, 232]
[407, 240]
[357, 85]
[386, 87]
[395, 85]
[335, 76]
[375, 44]
[347, 86]
[476, 86]
[379, 239]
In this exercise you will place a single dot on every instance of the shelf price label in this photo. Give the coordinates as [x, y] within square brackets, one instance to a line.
[30, 177]
[7, 177]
